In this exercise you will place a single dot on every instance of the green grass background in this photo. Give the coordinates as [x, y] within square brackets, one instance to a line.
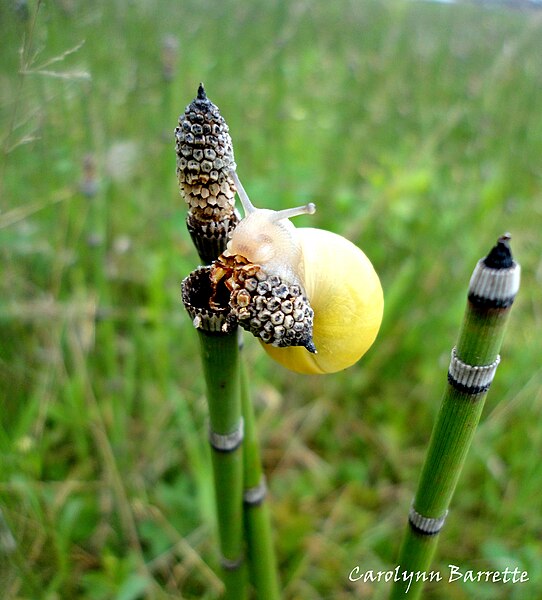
[417, 130]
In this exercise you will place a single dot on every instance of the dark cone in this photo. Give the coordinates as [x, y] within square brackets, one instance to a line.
[311, 347]
[205, 159]
[204, 162]
[500, 256]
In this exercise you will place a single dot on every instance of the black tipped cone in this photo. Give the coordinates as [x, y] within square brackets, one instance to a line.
[201, 92]
[500, 256]
[311, 347]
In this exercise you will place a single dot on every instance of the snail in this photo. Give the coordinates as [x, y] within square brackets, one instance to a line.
[310, 295]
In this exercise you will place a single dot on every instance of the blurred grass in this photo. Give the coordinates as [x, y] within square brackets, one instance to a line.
[417, 130]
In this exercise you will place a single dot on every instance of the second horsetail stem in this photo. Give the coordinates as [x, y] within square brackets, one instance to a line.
[474, 360]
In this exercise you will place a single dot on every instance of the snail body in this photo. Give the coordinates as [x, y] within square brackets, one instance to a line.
[311, 296]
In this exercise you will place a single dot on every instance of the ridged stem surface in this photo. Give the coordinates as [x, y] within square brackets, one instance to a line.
[473, 364]
[220, 359]
[260, 552]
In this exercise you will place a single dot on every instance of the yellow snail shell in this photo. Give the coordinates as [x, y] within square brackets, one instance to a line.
[338, 279]
[346, 296]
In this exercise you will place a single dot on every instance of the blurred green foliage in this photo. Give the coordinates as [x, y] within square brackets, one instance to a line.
[417, 130]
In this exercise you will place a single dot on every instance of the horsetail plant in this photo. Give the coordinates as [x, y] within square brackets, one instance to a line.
[492, 289]
[220, 358]
[311, 296]
[205, 164]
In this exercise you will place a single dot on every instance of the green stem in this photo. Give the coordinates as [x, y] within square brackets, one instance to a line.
[220, 359]
[492, 289]
[260, 553]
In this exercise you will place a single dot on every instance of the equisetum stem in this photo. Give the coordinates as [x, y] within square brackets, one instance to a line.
[493, 287]
[220, 357]
[260, 552]
[203, 165]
